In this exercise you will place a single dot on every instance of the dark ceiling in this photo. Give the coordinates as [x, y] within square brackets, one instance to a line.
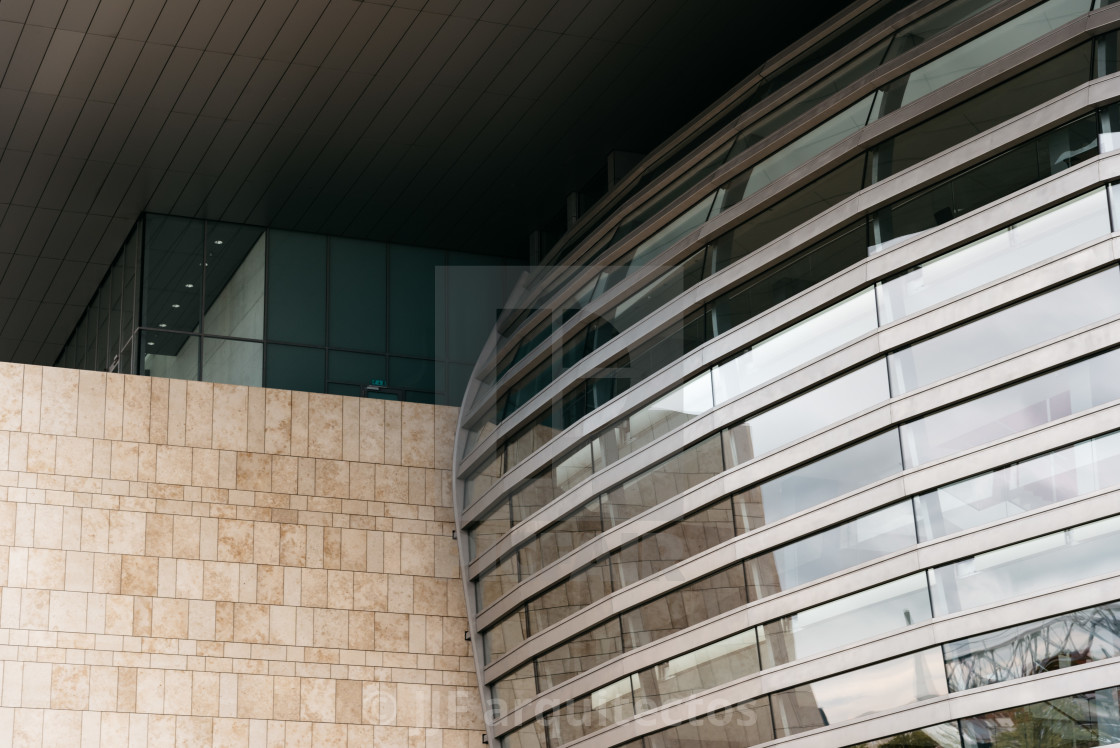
[459, 124]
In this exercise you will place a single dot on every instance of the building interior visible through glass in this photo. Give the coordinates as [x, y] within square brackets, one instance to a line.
[191, 299]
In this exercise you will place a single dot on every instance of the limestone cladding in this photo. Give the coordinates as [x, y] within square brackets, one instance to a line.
[196, 564]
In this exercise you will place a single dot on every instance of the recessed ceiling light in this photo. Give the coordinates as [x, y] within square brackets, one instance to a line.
[218, 242]
[174, 306]
[150, 343]
[190, 285]
[163, 324]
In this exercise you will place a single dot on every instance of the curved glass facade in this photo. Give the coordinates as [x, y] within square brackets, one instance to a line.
[814, 436]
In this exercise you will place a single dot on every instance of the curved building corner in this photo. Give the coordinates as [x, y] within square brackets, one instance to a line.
[808, 433]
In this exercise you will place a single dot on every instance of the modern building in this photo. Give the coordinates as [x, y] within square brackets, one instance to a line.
[809, 437]
[800, 428]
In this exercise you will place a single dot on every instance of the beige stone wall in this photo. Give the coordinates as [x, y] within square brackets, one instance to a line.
[194, 564]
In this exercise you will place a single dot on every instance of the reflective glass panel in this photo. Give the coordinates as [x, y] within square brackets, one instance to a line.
[579, 654]
[838, 548]
[1021, 326]
[945, 735]
[510, 692]
[718, 663]
[662, 548]
[737, 727]
[505, 635]
[653, 421]
[580, 590]
[795, 346]
[490, 530]
[168, 354]
[1068, 640]
[1080, 721]
[675, 475]
[234, 282]
[232, 361]
[1048, 234]
[172, 291]
[837, 474]
[1051, 561]
[597, 710]
[819, 407]
[1036, 401]
[496, 581]
[887, 685]
[297, 269]
[864, 615]
[1022, 487]
[717, 593]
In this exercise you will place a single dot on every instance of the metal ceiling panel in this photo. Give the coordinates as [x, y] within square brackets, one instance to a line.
[134, 20]
[60, 123]
[448, 123]
[57, 61]
[32, 117]
[28, 53]
[87, 65]
[77, 15]
[234, 25]
[204, 22]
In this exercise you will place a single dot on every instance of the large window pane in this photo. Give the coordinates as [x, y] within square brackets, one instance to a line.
[864, 615]
[291, 367]
[858, 465]
[679, 473]
[168, 354]
[714, 594]
[737, 727]
[1088, 635]
[412, 300]
[795, 346]
[974, 54]
[842, 547]
[1045, 235]
[510, 692]
[234, 281]
[597, 710]
[1056, 476]
[297, 269]
[661, 549]
[890, 684]
[1084, 720]
[232, 361]
[808, 412]
[1021, 326]
[357, 298]
[505, 635]
[718, 663]
[579, 654]
[1044, 398]
[172, 273]
[580, 590]
[1051, 561]
[653, 421]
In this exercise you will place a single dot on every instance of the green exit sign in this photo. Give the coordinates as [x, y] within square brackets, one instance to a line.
[378, 383]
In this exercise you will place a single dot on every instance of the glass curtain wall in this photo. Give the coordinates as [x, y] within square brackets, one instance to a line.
[238, 304]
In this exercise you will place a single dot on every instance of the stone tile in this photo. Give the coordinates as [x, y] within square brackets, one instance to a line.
[59, 410]
[137, 408]
[254, 696]
[11, 396]
[255, 425]
[159, 410]
[231, 417]
[199, 414]
[324, 426]
[417, 434]
[74, 456]
[173, 464]
[317, 699]
[254, 472]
